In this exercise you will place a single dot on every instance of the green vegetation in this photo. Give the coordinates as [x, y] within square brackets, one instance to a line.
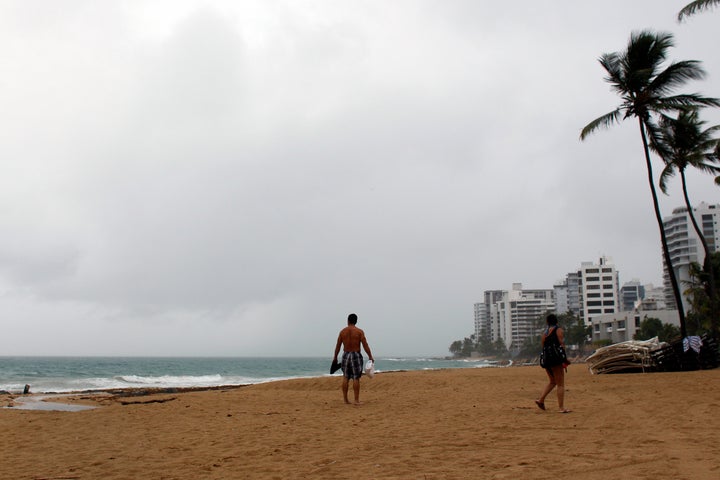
[576, 332]
[703, 317]
[652, 327]
[483, 347]
[463, 348]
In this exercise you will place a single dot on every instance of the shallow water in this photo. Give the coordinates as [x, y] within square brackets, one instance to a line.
[76, 374]
[37, 402]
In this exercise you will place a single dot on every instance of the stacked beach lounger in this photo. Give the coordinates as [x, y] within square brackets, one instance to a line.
[692, 353]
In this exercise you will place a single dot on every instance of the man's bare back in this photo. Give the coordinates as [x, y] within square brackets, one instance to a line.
[351, 338]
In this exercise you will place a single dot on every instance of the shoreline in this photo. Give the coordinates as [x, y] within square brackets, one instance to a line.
[462, 364]
[79, 374]
[19, 401]
[90, 398]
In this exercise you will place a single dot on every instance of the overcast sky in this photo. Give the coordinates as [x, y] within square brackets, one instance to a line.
[210, 177]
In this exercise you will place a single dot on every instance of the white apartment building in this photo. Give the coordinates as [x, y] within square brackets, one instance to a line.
[621, 326]
[562, 303]
[684, 244]
[483, 321]
[512, 314]
[654, 298]
[568, 294]
[600, 291]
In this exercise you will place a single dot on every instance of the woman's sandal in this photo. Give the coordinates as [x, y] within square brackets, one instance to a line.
[540, 404]
[565, 410]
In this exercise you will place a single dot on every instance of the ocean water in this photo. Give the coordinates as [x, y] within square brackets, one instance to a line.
[72, 374]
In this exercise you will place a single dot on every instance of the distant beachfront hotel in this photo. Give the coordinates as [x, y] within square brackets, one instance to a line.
[685, 245]
[511, 314]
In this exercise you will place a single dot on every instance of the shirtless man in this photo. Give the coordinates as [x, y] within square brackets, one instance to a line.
[351, 338]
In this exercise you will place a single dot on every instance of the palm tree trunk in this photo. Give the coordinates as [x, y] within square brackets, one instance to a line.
[692, 216]
[707, 262]
[663, 237]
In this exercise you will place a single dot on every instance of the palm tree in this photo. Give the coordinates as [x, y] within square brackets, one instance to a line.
[683, 143]
[637, 76]
[695, 7]
[703, 307]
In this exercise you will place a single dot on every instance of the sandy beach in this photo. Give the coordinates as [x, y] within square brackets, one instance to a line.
[445, 424]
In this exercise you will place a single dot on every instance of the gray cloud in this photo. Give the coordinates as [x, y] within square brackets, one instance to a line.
[221, 178]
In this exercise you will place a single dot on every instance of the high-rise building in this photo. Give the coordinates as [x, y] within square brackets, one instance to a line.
[631, 293]
[484, 327]
[654, 298]
[684, 244]
[599, 288]
[561, 296]
[574, 283]
[512, 314]
[568, 294]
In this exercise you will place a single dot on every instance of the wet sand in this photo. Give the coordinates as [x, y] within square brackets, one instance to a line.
[449, 424]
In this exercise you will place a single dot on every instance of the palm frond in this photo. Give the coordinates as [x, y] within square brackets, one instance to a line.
[646, 51]
[685, 101]
[659, 135]
[707, 167]
[612, 63]
[695, 7]
[603, 121]
[667, 173]
[684, 142]
[675, 75]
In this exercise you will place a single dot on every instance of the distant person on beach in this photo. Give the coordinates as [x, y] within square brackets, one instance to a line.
[556, 373]
[351, 337]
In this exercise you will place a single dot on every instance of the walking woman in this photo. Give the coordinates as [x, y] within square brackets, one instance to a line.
[554, 367]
